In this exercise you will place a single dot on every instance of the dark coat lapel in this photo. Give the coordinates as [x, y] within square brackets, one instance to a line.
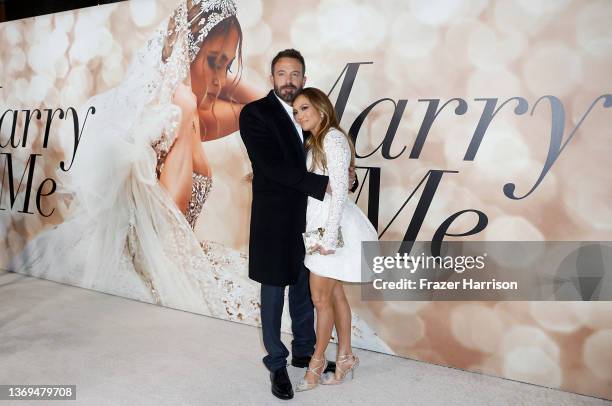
[287, 123]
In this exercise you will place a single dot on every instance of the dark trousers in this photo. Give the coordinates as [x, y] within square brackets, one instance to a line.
[302, 321]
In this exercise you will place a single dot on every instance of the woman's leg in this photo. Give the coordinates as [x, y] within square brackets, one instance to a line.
[321, 289]
[344, 358]
[342, 318]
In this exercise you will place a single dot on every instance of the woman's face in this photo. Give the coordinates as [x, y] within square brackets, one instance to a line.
[307, 116]
[210, 68]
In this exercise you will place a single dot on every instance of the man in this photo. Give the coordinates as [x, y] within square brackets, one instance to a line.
[281, 186]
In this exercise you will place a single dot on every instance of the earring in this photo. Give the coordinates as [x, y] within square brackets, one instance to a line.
[321, 114]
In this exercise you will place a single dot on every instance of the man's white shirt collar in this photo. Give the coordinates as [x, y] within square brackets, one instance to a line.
[289, 110]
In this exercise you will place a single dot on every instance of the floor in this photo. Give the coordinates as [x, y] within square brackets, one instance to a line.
[122, 352]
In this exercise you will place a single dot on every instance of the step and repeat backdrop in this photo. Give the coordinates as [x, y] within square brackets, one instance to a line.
[482, 120]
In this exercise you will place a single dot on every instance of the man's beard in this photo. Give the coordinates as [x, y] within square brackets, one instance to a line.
[287, 93]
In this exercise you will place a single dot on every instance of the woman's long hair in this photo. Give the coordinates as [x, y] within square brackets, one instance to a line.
[322, 105]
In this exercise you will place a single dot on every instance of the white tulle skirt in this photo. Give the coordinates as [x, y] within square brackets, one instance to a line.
[345, 263]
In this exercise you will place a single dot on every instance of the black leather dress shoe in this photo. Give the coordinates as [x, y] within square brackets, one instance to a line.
[281, 384]
[302, 362]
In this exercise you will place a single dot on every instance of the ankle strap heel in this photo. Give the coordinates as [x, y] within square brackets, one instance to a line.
[344, 364]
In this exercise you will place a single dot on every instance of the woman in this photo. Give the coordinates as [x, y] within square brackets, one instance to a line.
[141, 176]
[206, 100]
[337, 257]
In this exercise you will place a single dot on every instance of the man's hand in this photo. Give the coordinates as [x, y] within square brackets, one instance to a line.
[352, 178]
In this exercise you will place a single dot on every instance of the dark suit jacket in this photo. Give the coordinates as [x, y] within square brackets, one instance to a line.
[281, 186]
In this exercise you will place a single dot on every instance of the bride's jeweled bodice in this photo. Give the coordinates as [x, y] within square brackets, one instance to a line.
[202, 185]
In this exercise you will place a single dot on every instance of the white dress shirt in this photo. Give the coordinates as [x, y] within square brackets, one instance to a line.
[289, 110]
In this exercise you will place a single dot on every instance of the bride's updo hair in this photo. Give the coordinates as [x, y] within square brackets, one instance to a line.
[329, 120]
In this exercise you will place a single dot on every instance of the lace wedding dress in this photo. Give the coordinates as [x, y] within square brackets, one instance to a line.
[336, 213]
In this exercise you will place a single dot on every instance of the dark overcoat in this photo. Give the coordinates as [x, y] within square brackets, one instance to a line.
[281, 186]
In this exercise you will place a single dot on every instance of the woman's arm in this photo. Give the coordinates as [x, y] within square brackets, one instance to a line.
[219, 121]
[176, 171]
[240, 92]
[338, 154]
[222, 119]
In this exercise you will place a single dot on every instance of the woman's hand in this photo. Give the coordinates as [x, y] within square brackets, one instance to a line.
[324, 251]
[186, 101]
[319, 248]
[184, 98]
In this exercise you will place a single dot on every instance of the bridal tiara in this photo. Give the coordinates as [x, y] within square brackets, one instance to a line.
[214, 12]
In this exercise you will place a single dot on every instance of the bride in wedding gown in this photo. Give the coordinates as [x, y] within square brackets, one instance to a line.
[141, 178]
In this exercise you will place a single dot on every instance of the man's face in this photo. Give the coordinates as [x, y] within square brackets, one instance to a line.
[287, 78]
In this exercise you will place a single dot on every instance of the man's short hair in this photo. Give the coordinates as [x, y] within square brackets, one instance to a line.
[289, 53]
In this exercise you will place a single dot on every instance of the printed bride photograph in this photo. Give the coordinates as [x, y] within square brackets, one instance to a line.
[124, 171]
